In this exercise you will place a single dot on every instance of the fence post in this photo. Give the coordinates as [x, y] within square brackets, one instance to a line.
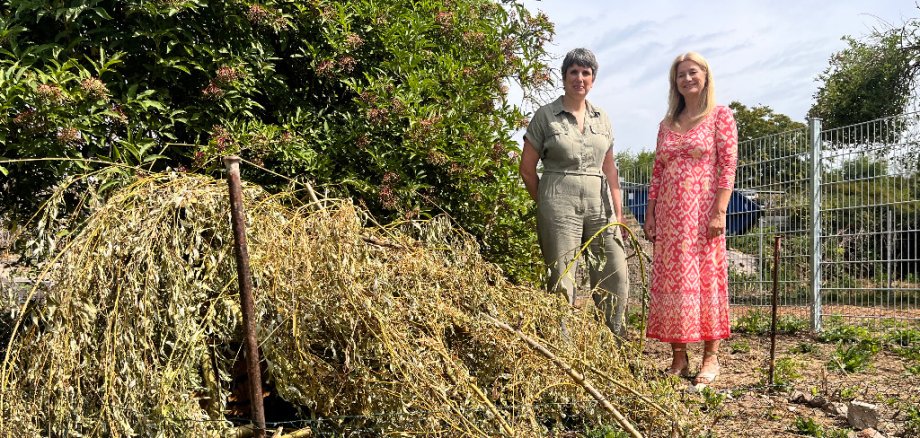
[814, 136]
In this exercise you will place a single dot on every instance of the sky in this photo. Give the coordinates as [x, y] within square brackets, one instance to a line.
[760, 52]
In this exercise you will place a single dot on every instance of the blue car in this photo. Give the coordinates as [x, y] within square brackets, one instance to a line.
[743, 212]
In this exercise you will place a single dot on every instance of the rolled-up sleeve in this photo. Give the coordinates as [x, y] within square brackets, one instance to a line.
[536, 132]
[726, 148]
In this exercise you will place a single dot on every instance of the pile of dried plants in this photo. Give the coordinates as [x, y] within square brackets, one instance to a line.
[399, 330]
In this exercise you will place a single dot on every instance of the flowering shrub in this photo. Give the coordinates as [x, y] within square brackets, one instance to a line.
[338, 92]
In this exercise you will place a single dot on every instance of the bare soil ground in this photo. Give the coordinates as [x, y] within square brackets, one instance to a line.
[751, 410]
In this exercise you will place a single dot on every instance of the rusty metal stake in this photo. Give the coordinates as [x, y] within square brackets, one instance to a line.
[775, 299]
[244, 275]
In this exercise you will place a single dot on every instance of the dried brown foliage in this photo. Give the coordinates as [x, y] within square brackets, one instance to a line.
[381, 328]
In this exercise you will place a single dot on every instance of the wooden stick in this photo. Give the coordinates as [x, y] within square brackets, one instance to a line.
[575, 375]
[498, 416]
[248, 431]
[674, 425]
[302, 433]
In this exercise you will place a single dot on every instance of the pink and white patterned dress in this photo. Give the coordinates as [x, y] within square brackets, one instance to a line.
[689, 290]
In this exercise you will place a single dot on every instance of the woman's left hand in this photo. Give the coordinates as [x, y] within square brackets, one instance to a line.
[716, 225]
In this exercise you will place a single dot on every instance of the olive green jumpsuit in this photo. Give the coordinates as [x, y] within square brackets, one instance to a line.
[574, 203]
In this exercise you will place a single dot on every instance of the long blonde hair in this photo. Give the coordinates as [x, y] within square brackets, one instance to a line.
[676, 102]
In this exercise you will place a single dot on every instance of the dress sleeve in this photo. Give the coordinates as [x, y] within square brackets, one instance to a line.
[657, 167]
[726, 148]
[536, 132]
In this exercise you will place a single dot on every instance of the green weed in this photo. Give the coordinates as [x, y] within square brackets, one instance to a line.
[849, 393]
[712, 400]
[808, 427]
[837, 433]
[785, 372]
[634, 319]
[608, 432]
[791, 325]
[912, 425]
[740, 346]
[754, 322]
[844, 333]
[892, 323]
[904, 337]
[854, 357]
[772, 415]
[758, 322]
[910, 353]
[804, 348]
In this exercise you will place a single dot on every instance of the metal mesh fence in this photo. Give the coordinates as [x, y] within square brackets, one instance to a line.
[773, 173]
[864, 188]
[870, 192]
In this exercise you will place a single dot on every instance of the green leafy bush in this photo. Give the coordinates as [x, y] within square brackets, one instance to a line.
[399, 105]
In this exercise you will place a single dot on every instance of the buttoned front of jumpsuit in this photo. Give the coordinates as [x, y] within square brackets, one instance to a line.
[574, 203]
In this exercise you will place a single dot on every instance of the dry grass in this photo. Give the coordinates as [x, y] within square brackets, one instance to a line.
[380, 327]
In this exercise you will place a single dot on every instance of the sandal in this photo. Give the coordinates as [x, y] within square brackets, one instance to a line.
[683, 372]
[708, 377]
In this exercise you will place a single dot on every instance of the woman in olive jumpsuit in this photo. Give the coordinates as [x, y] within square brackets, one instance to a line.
[578, 193]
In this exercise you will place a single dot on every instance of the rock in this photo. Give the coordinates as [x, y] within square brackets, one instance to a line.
[884, 427]
[836, 409]
[740, 262]
[870, 433]
[817, 402]
[862, 415]
[797, 397]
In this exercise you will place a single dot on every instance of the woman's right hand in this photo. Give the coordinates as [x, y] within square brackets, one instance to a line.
[649, 227]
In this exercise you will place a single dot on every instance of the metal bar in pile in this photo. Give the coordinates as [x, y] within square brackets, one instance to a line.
[238, 219]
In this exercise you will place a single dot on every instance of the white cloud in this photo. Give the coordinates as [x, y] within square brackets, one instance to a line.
[761, 52]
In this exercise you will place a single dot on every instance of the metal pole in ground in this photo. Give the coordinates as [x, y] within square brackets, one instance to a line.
[814, 136]
[773, 314]
[238, 219]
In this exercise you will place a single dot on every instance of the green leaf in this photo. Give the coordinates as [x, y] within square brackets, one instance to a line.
[102, 13]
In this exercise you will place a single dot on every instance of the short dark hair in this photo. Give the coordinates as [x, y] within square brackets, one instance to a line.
[582, 57]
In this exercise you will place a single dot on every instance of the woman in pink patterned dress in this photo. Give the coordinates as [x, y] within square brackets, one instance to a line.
[691, 184]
